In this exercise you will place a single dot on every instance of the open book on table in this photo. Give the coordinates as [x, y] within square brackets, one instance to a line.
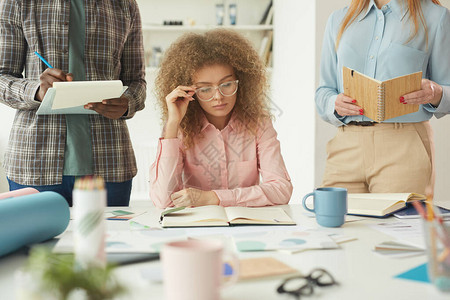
[379, 204]
[381, 99]
[213, 215]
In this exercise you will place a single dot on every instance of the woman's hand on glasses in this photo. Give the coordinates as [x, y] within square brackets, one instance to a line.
[177, 104]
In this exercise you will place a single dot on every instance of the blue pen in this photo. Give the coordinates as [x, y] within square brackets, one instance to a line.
[43, 60]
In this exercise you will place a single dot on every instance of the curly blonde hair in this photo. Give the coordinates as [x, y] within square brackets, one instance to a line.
[193, 51]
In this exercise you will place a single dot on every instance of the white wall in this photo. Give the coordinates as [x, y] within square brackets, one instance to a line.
[325, 131]
[293, 88]
[442, 143]
[6, 119]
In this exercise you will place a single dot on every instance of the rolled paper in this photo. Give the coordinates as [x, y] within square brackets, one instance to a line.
[89, 202]
[17, 193]
[31, 219]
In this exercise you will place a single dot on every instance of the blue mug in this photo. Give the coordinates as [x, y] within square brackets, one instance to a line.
[330, 206]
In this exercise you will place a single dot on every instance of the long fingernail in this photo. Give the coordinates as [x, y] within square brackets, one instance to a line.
[361, 110]
[353, 101]
[402, 99]
[361, 113]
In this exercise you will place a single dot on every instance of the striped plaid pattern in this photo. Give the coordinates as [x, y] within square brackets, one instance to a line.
[114, 50]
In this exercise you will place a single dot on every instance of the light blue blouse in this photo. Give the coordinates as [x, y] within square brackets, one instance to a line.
[376, 44]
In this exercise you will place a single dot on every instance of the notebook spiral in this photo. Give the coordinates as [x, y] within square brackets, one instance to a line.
[380, 103]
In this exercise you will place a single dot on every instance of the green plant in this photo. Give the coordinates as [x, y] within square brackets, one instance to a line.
[59, 275]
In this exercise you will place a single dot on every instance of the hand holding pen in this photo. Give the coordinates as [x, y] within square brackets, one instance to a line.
[49, 76]
[113, 108]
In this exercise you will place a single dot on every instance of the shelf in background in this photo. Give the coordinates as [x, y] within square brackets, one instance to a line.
[149, 27]
[154, 70]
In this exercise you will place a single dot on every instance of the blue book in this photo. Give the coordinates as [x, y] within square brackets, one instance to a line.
[409, 212]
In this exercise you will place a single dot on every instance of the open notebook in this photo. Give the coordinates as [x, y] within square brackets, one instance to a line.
[69, 97]
[380, 99]
[213, 215]
[379, 204]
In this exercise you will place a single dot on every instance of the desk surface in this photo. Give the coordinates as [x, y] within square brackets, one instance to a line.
[360, 272]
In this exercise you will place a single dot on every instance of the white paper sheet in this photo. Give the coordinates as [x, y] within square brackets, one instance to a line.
[78, 93]
[409, 231]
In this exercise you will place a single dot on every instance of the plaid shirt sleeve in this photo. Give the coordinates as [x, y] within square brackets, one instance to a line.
[15, 91]
[133, 68]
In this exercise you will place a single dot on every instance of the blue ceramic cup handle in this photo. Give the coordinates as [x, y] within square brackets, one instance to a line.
[304, 202]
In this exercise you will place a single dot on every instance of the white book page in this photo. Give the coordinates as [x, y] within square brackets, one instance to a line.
[394, 197]
[196, 214]
[377, 203]
[268, 214]
[76, 93]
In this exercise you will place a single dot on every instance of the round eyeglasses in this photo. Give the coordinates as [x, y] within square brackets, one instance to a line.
[227, 89]
[304, 285]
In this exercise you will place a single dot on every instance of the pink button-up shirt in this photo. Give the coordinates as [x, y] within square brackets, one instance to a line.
[228, 161]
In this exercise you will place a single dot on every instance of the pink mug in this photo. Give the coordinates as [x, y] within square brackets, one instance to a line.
[193, 269]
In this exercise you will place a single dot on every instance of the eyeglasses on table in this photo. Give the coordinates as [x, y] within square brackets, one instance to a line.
[304, 285]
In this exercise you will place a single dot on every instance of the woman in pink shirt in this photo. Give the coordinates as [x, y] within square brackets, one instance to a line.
[218, 138]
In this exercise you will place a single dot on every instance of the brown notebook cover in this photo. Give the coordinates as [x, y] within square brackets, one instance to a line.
[259, 267]
[381, 99]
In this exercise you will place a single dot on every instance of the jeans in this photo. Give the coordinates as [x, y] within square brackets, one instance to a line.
[118, 193]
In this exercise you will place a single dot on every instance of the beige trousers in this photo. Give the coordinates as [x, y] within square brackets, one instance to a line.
[384, 158]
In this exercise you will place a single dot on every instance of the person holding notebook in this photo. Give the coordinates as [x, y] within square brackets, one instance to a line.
[80, 40]
[218, 137]
[384, 39]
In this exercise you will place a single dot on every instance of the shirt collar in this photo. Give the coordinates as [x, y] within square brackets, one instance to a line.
[398, 7]
[205, 122]
[369, 8]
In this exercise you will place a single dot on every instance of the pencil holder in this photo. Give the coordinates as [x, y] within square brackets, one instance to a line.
[437, 238]
[89, 202]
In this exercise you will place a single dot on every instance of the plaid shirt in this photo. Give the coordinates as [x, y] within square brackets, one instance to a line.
[114, 50]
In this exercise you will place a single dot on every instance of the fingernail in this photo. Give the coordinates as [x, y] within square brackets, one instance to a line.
[361, 113]
[361, 110]
[402, 99]
[353, 101]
